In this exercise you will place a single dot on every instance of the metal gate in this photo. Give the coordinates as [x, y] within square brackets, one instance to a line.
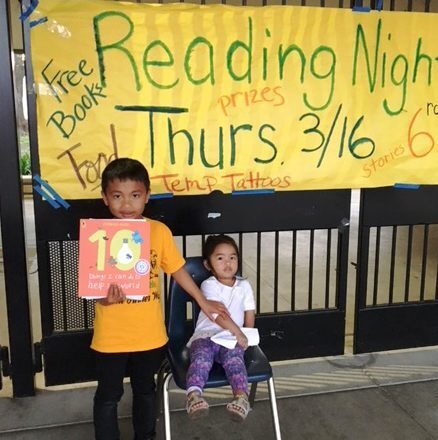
[397, 288]
[315, 327]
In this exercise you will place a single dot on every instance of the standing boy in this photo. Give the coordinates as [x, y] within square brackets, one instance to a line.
[130, 336]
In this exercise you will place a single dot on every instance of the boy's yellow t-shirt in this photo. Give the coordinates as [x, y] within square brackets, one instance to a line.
[138, 325]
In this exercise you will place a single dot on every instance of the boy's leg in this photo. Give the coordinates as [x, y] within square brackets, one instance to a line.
[233, 362]
[202, 353]
[110, 368]
[142, 368]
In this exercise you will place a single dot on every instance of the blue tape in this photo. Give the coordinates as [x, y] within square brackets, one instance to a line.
[44, 185]
[406, 186]
[34, 23]
[161, 196]
[29, 10]
[379, 5]
[253, 192]
[361, 9]
[52, 202]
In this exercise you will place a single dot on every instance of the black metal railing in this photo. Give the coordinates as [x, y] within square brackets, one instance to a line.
[289, 271]
[403, 264]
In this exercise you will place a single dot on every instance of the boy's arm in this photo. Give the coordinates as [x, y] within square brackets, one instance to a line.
[183, 278]
[249, 319]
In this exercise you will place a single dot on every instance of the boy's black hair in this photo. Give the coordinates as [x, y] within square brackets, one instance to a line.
[215, 240]
[125, 168]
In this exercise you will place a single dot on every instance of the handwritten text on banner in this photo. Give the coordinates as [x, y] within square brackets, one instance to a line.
[235, 98]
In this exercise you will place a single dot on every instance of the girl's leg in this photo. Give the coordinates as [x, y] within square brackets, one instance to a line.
[202, 353]
[233, 362]
[142, 368]
[110, 368]
[234, 366]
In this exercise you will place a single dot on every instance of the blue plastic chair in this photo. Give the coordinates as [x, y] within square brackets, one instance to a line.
[180, 329]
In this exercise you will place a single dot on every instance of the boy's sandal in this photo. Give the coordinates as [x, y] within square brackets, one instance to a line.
[239, 408]
[196, 406]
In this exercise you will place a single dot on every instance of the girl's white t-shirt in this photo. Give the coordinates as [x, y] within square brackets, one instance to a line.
[238, 299]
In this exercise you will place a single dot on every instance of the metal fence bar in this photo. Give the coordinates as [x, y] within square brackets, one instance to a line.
[392, 266]
[408, 263]
[240, 251]
[310, 294]
[427, 6]
[376, 266]
[258, 274]
[327, 268]
[436, 282]
[424, 261]
[276, 271]
[184, 246]
[294, 265]
[342, 267]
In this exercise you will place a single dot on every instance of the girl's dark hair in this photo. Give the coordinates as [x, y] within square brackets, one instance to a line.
[215, 240]
[125, 169]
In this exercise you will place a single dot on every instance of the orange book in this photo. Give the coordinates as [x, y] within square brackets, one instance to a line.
[113, 251]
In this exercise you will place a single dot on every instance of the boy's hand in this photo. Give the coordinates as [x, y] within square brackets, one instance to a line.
[115, 295]
[242, 340]
[212, 308]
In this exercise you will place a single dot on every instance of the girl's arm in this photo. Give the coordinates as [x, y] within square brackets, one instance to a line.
[228, 324]
[249, 319]
[210, 308]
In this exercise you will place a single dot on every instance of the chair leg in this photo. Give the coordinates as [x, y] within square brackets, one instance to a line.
[167, 432]
[252, 394]
[164, 368]
[273, 401]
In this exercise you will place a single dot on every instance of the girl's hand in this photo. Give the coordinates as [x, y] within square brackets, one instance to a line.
[115, 295]
[242, 340]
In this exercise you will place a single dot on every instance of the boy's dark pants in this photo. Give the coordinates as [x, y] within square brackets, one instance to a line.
[111, 369]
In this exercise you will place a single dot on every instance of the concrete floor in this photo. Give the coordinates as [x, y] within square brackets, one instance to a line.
[382, 396]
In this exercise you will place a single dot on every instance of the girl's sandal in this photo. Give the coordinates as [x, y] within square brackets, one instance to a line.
[239, 408]
[196, 406]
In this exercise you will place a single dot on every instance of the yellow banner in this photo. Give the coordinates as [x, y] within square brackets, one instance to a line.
[234, 98]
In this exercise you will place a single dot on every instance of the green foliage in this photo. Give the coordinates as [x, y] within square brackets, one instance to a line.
[25, 167]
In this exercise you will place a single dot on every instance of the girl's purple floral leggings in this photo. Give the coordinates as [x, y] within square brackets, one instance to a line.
[203, 353]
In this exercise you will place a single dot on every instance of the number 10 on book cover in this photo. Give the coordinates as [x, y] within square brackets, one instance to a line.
[113, 251]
